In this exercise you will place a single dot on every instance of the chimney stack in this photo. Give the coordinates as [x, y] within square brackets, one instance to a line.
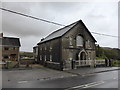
[1, 34]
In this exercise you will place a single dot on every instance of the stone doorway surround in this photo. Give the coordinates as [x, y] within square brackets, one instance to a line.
[82, 55]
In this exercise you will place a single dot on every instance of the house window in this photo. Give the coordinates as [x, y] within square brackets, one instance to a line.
[50, 48]
[40, 49]
[45, 57]
[70, 40]
[6, 57]
[6, 48]
[13, 55]
[14, 48]
[45, 48]
[40, 57]
[50, 57]
[79, 40]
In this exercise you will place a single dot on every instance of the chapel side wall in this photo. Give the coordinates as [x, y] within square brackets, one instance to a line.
[51, 49]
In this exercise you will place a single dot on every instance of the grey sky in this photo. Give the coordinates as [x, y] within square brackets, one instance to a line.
[98, 17]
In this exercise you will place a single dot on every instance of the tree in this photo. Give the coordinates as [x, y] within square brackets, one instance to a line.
[111, 53]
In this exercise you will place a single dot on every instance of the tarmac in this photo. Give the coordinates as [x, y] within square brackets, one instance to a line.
[42, 73]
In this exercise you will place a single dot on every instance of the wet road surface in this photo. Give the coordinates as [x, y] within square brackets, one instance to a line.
[98, 80]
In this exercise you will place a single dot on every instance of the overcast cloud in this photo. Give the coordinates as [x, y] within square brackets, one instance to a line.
[98, 17]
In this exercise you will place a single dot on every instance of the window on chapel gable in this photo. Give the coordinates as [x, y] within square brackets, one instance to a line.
[79, 41]
[89, 44]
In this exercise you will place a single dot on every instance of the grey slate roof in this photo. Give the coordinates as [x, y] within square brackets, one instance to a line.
[62, 31]
[10, 41]
[58, 33]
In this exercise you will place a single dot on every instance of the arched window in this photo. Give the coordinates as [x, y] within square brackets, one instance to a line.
[88, 44]
[45, 58]
[50, 57]
[40, 57]
[70, 40]
[79, 40]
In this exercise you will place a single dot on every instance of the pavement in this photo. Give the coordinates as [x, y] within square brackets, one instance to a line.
[92, 70]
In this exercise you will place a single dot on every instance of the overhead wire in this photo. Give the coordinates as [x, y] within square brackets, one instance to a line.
[44, 20]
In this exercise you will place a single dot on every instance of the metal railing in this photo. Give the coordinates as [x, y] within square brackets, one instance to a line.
[88, 62]
[99, 62]
[83, 62]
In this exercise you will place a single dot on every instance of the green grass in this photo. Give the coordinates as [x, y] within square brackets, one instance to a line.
[116, 63]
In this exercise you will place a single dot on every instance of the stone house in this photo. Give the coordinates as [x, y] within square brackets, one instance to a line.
[65, 47]
[9, 47]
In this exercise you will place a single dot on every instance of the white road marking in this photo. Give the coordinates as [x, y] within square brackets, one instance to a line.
[87, 85]
[77, 86]
[22, 81]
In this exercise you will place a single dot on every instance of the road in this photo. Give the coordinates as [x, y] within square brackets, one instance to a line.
[98, 80]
